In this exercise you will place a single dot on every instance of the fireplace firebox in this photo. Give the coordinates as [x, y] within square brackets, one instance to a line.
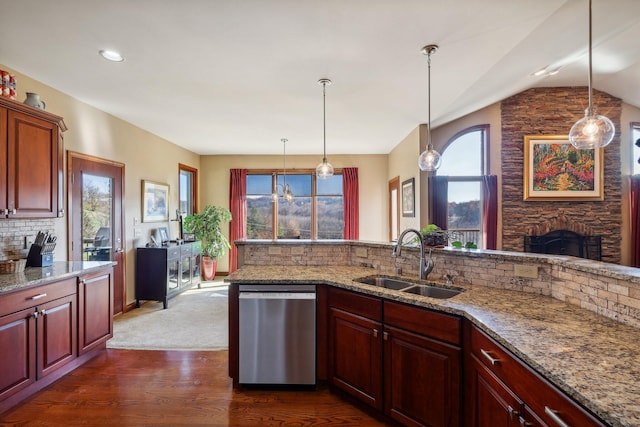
[565, 242]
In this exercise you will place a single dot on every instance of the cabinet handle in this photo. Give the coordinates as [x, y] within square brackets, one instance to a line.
[522, 422]
[555, 417]
[385, 336]
[35, 314]
[5, 211]
[14, 211]
[35, 297]
[512, 413]
[375, 333]
[43, 312]
[489, 358]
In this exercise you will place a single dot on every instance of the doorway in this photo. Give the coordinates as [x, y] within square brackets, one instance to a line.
[394, 208]
[96, 212]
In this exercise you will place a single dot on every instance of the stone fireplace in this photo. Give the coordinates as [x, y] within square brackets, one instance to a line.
[561, 236]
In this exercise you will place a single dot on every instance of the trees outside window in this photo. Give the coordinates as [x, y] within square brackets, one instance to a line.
[316, 211]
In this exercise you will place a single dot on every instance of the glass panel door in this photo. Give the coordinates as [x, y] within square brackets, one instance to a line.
[97, 218]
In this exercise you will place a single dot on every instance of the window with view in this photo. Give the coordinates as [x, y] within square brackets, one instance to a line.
[315, 212]
[635, 138]
[463, 162]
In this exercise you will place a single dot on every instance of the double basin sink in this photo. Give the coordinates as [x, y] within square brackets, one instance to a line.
[402, 285]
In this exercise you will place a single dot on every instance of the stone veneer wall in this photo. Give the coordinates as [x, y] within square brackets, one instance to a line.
[552, 111]
[614, 294]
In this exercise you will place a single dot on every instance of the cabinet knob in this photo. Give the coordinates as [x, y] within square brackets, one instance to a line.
[375, 333]
[512, 413]
[385, 336]
[43, 312]
[13, 211]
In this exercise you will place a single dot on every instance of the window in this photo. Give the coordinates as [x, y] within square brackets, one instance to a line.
[316, 211]
[188, 189]
[463, 162]
[635, 138]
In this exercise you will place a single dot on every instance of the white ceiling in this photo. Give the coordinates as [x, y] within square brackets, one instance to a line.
[236, 76]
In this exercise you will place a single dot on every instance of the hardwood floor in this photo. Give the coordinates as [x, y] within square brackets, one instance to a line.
[174, 388]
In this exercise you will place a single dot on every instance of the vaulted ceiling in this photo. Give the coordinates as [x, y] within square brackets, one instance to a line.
[236, 76]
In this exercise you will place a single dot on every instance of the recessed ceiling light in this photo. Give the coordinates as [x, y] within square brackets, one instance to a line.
[111, 55]
[540, 72]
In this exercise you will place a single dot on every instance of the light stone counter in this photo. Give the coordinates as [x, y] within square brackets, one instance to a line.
[592, 358]
[34, 276]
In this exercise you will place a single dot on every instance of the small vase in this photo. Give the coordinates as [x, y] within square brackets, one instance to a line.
[33, 99]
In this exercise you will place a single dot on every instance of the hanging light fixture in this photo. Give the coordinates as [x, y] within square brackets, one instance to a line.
[593, 130]
[287, 194]
[324, 170]
[430, 159]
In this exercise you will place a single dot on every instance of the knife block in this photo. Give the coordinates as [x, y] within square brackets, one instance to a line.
[37, 259]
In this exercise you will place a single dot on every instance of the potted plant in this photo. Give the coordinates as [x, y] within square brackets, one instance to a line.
[206, 226]
[435, 236]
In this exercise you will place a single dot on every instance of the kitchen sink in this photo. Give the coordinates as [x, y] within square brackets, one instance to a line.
[386, 282]
[432, 291]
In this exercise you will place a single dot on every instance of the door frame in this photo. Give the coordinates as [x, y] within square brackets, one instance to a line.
[119, 254]
[394, 185]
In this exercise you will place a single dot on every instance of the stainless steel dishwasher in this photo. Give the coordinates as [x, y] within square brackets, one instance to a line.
[277, 334]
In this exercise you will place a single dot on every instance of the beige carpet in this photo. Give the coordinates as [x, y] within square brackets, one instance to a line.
[197, 319]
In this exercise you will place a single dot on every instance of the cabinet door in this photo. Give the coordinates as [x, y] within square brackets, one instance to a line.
[3, 161]
[422, 379]
[33, 167]
[57, 334]
[492, 404]
[95, 310]
[17, 352]
[355, 356]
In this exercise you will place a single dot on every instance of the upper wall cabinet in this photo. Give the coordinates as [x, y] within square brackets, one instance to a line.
[31, 147]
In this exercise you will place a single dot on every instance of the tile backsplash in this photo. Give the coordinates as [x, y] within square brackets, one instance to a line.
[14, 233]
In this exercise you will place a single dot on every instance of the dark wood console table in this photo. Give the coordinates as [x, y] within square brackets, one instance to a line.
[166, 271]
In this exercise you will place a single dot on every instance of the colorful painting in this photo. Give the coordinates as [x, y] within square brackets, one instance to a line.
[555, 170]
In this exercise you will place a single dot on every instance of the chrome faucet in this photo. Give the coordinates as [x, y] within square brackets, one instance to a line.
[426, 265]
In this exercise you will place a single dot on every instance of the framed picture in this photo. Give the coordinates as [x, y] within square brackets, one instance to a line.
[155, 201]
[555, 170]
[163, 234]
[408, 198]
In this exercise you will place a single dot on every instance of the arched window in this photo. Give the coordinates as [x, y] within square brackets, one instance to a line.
[464, 164]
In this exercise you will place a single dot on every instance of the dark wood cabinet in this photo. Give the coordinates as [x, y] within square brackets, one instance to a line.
[503, 391]
[31, 147]
[39, 338]
[164, 272]
[95, 305]
[419, 382]
[422, 374]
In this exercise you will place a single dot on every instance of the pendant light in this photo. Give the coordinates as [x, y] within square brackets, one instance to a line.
[287, 194]
[324, 170]
[593, 130]
[430, 159]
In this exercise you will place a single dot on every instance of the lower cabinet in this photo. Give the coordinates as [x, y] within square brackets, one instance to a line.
[48, 330]
[382, 354]
[38, 339]
[502, 391]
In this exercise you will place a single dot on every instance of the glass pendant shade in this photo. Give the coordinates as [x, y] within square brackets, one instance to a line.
[287, 194]
[429, 160]
[324, 170]
[592, 131]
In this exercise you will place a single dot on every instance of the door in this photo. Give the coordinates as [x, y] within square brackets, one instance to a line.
[394, 208]
[96, 216]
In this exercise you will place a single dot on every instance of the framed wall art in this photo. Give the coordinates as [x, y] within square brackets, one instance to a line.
[555, 170]
[155, 201]
[408, 198]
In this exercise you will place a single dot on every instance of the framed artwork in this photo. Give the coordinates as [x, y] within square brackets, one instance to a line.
[408, 198]
[155, 201]
[555, 170]
[163, 234]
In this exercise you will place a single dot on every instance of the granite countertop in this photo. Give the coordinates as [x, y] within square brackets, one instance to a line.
[592, 358]
[34, 276]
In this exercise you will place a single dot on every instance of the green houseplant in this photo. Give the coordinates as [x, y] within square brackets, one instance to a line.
[206, 226]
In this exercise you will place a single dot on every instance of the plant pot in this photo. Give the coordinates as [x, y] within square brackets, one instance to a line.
[208, 268]
[436, 240]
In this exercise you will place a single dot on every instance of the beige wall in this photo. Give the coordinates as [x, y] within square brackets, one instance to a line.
[145, 156]
[403, 163]
[372, 174]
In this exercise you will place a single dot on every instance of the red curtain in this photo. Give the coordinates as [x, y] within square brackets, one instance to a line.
[439, 200]
[635, 220]
[351, 203]
[238, 208]
[490, 211]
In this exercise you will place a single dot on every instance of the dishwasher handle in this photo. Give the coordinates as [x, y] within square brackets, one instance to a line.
[278, 295]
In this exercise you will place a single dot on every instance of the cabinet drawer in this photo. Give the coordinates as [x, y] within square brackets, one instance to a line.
[424, 321]
[30, 297]
[546, 400]
[355, 303]
[173, 252]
